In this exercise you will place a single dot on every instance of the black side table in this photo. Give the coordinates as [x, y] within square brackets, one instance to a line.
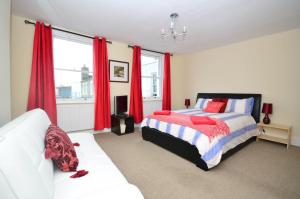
[116, 120]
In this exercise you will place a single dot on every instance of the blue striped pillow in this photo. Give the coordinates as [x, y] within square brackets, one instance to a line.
[244, 106]
[202, 103]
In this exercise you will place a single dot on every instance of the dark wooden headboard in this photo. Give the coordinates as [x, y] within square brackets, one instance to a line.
[257, 100]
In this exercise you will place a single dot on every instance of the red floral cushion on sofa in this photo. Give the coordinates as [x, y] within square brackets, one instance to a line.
[60, 148]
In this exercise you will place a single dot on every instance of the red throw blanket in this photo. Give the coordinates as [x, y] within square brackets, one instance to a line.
[202, 120]
[210, 131]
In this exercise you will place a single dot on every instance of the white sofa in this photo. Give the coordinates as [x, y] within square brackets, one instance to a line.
[26, 174]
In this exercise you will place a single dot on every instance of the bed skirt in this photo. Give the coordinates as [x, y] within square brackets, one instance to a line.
[183, 148]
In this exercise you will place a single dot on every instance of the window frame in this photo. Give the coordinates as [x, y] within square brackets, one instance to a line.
[73, 38]
[160, 74]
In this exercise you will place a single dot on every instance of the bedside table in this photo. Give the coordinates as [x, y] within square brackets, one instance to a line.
[284, 129]
[116, 121]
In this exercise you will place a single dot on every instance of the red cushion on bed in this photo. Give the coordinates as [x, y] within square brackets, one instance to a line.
[213, 107]
[60, 148]
[163, 112]
[202, 120]
[225, 100]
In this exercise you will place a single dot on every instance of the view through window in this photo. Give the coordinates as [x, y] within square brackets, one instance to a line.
[73, 69]
[151, 76]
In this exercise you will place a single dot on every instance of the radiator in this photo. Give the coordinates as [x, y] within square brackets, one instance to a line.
[75, 116]
[151, 105]
[80, 116]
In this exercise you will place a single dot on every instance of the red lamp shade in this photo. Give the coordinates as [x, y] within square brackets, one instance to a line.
[267, 108]
[187, 102]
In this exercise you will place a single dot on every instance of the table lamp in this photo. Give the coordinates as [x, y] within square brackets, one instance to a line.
[267, 109]
[187, 103]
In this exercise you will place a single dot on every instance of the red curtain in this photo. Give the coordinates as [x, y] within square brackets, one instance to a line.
[136, 99]
[166, 103]
[101, 85]
[42, 87]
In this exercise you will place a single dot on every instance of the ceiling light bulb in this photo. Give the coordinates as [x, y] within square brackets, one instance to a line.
[184, 29]
[172, 25]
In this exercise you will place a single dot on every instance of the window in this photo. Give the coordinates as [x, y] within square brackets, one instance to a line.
[73, 69]
[151, 75]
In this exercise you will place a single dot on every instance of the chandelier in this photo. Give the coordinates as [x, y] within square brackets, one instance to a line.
[172, 32]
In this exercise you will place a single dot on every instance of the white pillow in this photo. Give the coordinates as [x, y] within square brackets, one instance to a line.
[202, 103]
[244, 106]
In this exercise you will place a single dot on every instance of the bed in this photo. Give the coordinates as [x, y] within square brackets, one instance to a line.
[190, 150]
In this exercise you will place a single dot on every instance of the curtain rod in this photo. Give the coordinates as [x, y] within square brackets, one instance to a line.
[153, 51]
[66, 31]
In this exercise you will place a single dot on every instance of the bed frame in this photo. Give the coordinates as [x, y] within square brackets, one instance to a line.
[190, 152]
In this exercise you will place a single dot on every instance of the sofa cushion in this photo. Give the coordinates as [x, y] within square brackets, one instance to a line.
[9, 126]
[26, 174]
[6, 191]
[103, 174]
[126, 191]
[23, 166]
[60, 148]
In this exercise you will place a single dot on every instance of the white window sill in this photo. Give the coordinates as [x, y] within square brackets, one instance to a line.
[59, 102]
[152, 99]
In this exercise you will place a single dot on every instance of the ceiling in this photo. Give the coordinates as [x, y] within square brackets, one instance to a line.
[210, 23]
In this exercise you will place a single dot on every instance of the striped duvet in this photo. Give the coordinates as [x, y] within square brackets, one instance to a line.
[242, 127]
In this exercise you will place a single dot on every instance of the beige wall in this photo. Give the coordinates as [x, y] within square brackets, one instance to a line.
[21, 54]
[22, 40]
[4, 61]
[120, 52]
[268, 65]
[177, 81]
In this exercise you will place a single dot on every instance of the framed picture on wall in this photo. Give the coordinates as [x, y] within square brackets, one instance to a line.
[118, 71]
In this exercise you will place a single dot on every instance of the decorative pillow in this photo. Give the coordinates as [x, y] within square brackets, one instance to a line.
[225, 100]
[60, 148]
[214, 107]
[244, 106]
[202, 103]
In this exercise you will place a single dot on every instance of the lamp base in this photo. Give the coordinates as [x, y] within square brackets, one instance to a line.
[266, 119]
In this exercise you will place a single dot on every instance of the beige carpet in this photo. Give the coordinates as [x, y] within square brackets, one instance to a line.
[261, 170]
